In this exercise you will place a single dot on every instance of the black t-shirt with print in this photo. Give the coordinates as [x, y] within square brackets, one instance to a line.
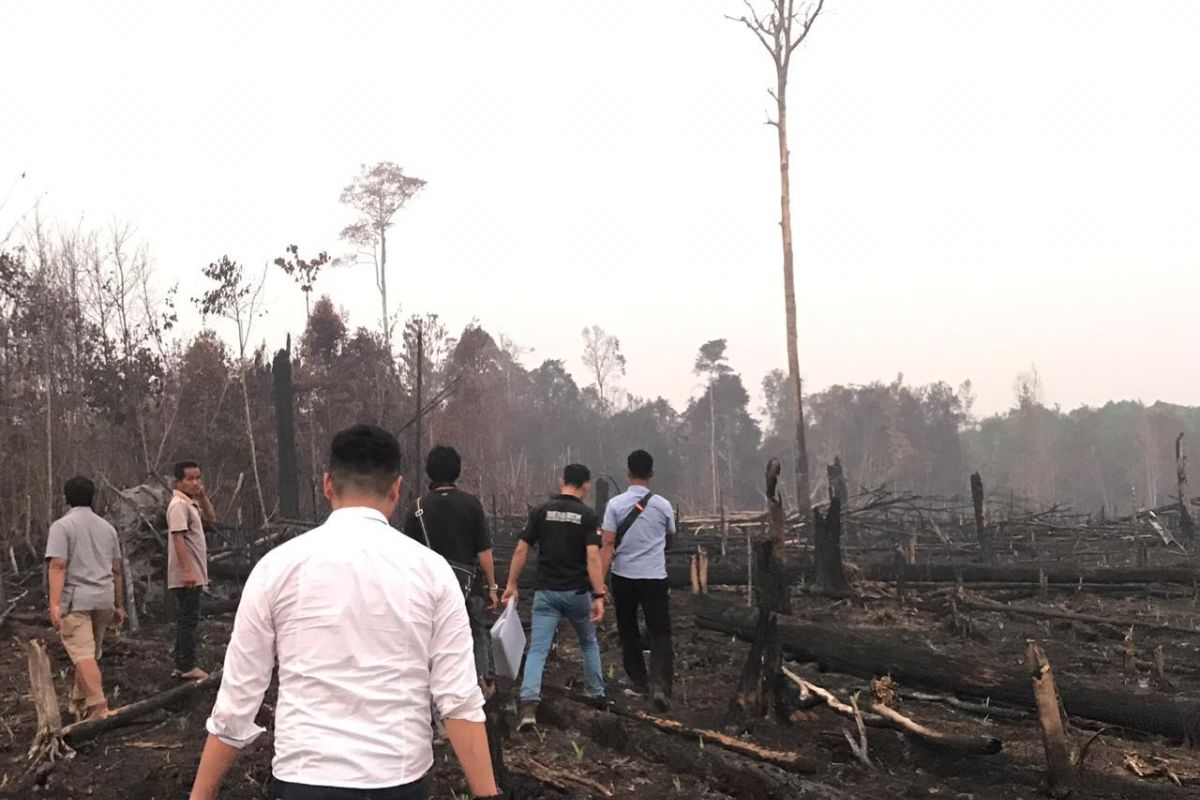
[563, 528]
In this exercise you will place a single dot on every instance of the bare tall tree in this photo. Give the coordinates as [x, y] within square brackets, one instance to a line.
[377, 193]
[780, 32]
[239, 300]
[602, 356]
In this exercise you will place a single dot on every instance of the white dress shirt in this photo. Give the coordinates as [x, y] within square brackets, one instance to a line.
[368, 627]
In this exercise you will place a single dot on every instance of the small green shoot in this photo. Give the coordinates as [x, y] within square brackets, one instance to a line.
[578, 750]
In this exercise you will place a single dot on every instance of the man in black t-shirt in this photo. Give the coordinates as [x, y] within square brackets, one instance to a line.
[570, 584]
[451, 522]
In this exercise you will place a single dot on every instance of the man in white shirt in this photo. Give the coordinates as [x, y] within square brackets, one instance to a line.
[367, 627]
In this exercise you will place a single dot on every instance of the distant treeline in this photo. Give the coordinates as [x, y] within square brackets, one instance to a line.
[95, 378]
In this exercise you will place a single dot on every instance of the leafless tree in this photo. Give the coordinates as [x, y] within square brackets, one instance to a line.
[602, 356]
[781, 31]
[377, 193]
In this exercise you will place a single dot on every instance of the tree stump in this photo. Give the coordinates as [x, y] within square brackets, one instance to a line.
[48, 742]
[831, 572]
[1061, 769]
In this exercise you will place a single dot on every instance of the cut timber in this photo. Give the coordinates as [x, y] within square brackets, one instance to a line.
[983, 604]
[91, 728]
[1060, 770]
[730, 773]
[792, 762]
[1029, 573]
[911, 661]
[48, 742]
[881, 716]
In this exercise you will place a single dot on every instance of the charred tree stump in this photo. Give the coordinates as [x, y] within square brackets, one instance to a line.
[982, 534]
[285, 433]
[1187, 527]
[48, 743]
[496, 724]
[757, 685]
[831, 572]
[774, 594]
[1060, 768]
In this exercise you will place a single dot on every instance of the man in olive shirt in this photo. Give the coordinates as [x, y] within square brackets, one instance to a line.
[570, 584]
[187, 562]
[87, 591]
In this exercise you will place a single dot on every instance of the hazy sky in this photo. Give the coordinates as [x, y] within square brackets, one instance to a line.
[977, 185]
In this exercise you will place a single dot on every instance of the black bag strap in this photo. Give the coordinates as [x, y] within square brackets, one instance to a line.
[632, 516]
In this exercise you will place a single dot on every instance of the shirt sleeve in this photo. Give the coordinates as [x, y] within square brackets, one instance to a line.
[453, 683]
[669, 510]
[532, 531]
[591, 529]
[56, 542]
[482, 538]
[249, 662]
[177, 517]
[610, 517]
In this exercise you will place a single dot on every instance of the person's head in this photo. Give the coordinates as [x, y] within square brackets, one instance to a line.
[443, 465]
[188, 478]
[364, 469]
[576, 480]
[79, 491]
[640, 465]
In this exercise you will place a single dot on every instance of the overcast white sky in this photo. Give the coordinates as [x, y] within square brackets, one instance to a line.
[978, 185]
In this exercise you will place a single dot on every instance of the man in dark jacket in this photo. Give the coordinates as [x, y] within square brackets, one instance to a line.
[570, 584]
[451, 522]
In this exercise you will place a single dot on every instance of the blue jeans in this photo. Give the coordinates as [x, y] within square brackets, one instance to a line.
[548, 608]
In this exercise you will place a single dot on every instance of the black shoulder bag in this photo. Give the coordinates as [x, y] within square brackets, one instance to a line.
[632, 517]
[465, 573]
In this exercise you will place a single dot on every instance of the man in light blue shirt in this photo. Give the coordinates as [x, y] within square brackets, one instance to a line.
[637, 530]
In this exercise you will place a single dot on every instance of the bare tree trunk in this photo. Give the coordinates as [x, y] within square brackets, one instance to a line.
[827, 536]
[387, 326]
[712, 427]
[1187, 528]
[982, 534]
[285, 433]
[262, 504]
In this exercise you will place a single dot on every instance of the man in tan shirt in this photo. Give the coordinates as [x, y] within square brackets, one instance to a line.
[87, 591]
[187, 562]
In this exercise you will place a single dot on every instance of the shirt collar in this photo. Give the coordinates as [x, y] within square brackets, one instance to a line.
[73, 509]
[357, 512]
[183, 496]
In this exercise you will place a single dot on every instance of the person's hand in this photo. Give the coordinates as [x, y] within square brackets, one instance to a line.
[189, 579]
[597, 609]
[55, 617]
[510, 593]
[119, 617]
[493, 600]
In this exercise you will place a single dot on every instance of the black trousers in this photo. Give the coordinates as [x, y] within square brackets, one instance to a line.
[187, 617]
[282, 790]
[653, 597]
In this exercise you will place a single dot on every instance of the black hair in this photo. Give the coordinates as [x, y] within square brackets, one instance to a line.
[181, 468]
[79, 491]
[443, 464]
[364, 458]
[576, 475]
[641, 465]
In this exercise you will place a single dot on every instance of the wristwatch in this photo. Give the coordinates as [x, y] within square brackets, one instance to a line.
[494, 588]
[600, 595]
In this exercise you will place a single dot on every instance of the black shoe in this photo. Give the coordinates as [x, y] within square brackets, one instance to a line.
[528, 717]
[659, 700]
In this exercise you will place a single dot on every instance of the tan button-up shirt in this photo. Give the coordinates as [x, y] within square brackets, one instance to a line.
[184, 515]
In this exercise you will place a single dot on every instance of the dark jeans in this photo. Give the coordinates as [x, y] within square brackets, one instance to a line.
[282, 790]
[653, 597]
[481, 635]
[187, 617]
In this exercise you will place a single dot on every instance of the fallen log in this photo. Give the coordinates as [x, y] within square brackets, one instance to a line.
[881, 716]
[911, 660]
[790, 761]
[91, 728]
[1029, 572]
[729, 772]
[983, 604]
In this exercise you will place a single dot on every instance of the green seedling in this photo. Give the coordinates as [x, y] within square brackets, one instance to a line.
[578, 750]
[678, 784]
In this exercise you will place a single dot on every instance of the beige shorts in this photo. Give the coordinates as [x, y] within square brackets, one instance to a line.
[82, 633]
